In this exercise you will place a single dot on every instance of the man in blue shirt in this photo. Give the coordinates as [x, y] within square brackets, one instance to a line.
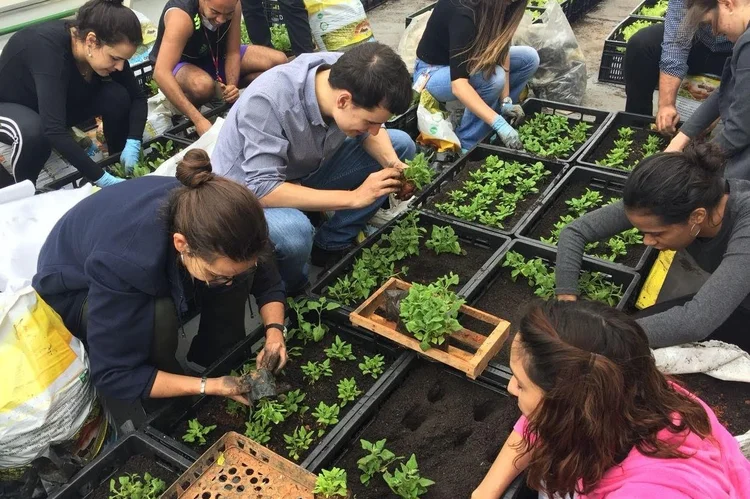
[307, 137]
[664, 54]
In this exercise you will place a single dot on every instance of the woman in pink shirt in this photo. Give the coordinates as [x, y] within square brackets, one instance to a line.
[600, 421]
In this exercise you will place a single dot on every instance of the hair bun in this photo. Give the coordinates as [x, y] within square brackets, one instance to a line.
[194, 169]
[707, 156]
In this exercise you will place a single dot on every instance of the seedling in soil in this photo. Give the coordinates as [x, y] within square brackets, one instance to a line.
[348, 391]
[340, 350]
[633, 28]
[298, 442]
[235, 408]
[280, 38]
[444, 240]
[258, 432]
[417, 175]
[406, 482]
[153, 87]
[196, 432]
[374, 366]
[310, 331]
[659, 9]
[377, 461]
[133, 487]
[403, 239]
[430, 311]
[588, 201]
[294, 352]
[331, 484]
[652, 146]
[326, 415]
[550, 135]
[292, 402]
[313, 371]
[270, 411]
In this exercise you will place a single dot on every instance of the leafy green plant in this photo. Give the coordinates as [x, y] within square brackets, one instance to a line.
[196, 432]
[298, 442]
[348, 390]
[135, 487]
[153, 87]
[326, 415]
[258, 432]
[550, 135]
[634, 27]
[403, 239]
[331, 483]
[235, 408]
[310, 331]
[588, 201]
[430, 311]
[418, 172]
[270, 412]
[374, 366]
[652, 145]
[376, 461]
[406, 482]
[659, 9]
[340, 350]
[313, 371]
[280, 38]
[292, 401]
[444, 240]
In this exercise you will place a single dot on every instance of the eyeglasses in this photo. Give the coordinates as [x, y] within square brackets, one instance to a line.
[220, 280]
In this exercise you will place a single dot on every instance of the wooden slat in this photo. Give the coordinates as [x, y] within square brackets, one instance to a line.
[469, 338]
[490, 348]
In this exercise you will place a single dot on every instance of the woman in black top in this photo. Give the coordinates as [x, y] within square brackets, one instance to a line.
[466, 53]
[57, 74]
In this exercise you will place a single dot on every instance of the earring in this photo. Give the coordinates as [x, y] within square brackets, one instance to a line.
[90, 54]
[691, 231]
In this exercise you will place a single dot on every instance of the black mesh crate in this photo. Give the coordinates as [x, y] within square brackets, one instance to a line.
[612, 69]
[406, 122]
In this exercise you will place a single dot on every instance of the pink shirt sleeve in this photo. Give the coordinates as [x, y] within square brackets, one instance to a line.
[520, 425]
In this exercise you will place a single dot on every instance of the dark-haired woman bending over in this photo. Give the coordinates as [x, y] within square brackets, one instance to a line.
[58, 74]
[123, 266]
[621, 429]
[679, 201]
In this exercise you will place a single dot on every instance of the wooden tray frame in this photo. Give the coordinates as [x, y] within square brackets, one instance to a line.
[472, 365]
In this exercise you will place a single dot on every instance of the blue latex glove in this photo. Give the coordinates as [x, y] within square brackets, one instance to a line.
[130, 154]
[108, 179]
[507, 133]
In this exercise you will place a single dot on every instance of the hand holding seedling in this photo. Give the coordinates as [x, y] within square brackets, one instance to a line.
[274, 355]
[376, 185]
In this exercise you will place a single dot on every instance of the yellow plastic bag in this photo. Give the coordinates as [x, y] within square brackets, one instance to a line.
[434, 126]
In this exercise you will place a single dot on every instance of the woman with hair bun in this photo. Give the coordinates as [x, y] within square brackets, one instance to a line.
[57, 74]
[600, 421]
[679, 201]
[124, 268]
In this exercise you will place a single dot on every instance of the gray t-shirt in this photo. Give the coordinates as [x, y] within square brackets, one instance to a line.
[726, 257]
[275, 132]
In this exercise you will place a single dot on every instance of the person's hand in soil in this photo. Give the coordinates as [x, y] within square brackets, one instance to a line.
[202, 126]
[273, 356]
[377, 185]
[234, 387]
[667, 119]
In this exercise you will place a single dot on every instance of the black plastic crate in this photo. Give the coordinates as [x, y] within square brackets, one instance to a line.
[574, 113]
[371, 4]
[474, 236]
[618, 120]
[144, 73]
[618, 274]
[479, 153]
[107, 465]
[185, 131]
[610, 184]
[406, 122]
[645, 3]
[612, 67]
[165, 420]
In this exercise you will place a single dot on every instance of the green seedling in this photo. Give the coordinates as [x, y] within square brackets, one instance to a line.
[588, 201]
[292, 402]
[418, 171]
[280, 38]
[376, 461]
[403, 240]
[651, 146]
[430, 311]
[633, 28]
[313, 371]
[444, 240]
[258, 432]
[374, 366]
[326, 415]
[153, 87]
[196, 432]
[407, 483]
[331, 484]
[340, 350]
[659, 9]
[348, 391]
[270, 412]
[298, 442]
[310, 331]
[135, 487]
[235, 408]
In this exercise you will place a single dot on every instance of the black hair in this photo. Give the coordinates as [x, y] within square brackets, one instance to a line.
[671, 185]
[110, 21]
[375, 76]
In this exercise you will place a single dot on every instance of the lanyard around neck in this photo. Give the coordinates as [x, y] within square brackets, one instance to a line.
[214, 57]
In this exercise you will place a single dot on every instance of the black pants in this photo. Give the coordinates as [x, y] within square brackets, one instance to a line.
[734, 330]
[642, 66]
[22, 128]
[295, 18]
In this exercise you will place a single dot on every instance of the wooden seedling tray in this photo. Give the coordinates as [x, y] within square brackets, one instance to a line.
[468, 351]
[237, 467]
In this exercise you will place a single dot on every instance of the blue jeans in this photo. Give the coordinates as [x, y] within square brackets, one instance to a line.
[291, 231]
[523, 64]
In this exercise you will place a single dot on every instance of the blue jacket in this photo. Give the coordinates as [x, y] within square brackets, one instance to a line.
[113, 251]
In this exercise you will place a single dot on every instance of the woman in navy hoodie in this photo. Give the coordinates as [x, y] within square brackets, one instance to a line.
[124, 266]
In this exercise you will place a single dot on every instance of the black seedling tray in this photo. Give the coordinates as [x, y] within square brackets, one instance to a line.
[166, 420]
[107, 465]
[619, 119]
[612, 67]
[147, 149]
[480, 153]
[406, 122]
[185, 131]
[467, 234]
[574, 113]
[144, 73]
[411, 16]
[610, 184]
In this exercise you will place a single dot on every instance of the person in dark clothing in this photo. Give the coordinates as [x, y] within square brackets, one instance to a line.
[662, 55]
[121, 268]
[197, 55]
[295, 18]
[57, 74]
[466, 53]
[729, 102]
[679, 201]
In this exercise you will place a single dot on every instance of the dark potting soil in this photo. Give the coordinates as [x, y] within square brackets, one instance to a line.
[140, 464]
[730, 400]
[324, 390]
[545, 225]
[636, 149]
[455, 427]
[456, 184]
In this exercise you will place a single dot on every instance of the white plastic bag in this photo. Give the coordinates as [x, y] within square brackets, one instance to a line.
[434, 125]
[206, 142]
[714, 358]
[561, 76]
[338, 25]
[407, 46]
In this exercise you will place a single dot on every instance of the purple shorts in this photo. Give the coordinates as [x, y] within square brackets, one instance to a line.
[207, 65]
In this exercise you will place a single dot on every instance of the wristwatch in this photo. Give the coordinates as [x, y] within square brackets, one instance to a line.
[275, 325]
